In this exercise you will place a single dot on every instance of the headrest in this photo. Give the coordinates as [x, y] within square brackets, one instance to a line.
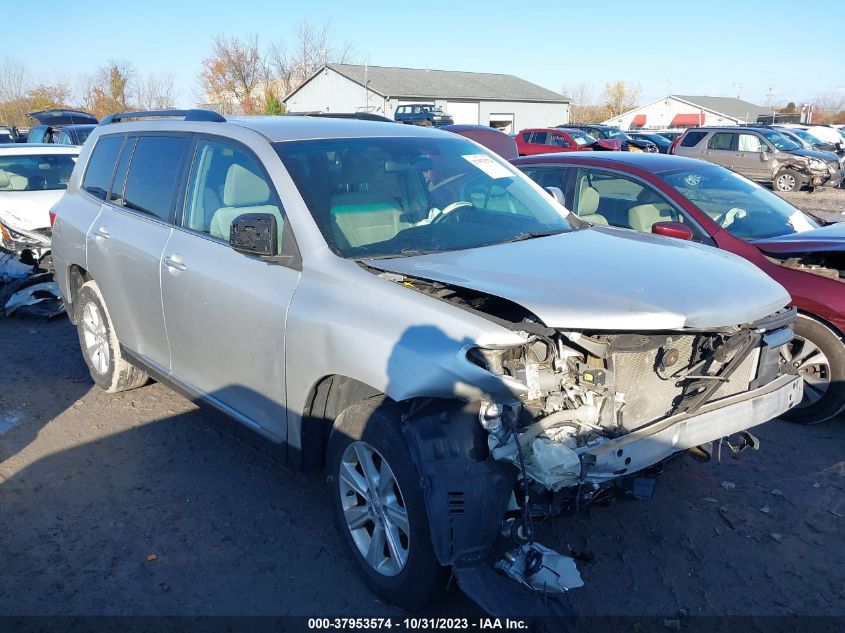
[5, 181]
[588, 202]
[244, 189]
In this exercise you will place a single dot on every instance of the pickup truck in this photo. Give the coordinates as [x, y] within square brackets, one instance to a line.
[424, 114]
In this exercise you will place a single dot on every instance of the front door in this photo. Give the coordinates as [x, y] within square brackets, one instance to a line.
[753, 157]
[126, 240]
[225, 311]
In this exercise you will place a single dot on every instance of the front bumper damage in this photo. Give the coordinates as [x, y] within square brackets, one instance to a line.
[484, 464]
[30, 246]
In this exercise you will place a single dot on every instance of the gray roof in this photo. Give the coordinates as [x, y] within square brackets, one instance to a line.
[445, 84]
[733, 107]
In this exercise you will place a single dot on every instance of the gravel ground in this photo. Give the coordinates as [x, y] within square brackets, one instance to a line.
[824, 203]
[143, 504]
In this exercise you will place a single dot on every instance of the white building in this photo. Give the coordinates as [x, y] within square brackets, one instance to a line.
[680, 111]
[501, 101]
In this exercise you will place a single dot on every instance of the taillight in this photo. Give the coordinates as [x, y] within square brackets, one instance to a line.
[674, 145]
[52, 218]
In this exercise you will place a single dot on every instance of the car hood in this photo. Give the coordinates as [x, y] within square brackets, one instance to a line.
[814, 153]
[28, 210]
[824, 240]
[603, 278]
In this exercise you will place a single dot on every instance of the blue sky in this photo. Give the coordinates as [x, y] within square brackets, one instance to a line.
[707, 47]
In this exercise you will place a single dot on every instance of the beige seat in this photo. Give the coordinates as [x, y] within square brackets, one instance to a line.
[366, 218]
[588, 204]
[13, 182]
[643, 216]
[243, 192]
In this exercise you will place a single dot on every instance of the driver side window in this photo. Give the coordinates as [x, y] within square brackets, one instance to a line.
[226, 182]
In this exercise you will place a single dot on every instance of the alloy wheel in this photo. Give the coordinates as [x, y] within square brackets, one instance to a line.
[374, 508]
[95, 334]
[785, 182]
[809, 362]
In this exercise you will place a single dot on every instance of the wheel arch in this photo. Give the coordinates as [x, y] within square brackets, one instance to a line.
[76, 277]
[326, 399]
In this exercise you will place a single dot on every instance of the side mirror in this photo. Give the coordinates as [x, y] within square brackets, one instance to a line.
[255, 234]
[672, 229]
[557, 194]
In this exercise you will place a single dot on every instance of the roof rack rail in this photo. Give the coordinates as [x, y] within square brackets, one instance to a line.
[188, 115]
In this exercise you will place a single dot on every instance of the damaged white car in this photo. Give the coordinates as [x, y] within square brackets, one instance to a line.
[32, 179]
[402, 308]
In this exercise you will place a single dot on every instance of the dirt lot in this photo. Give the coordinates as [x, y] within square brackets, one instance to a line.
[141, 503]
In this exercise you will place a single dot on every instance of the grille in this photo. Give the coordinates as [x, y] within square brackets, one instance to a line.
[649, 397]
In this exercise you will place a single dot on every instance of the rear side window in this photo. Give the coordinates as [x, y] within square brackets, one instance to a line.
[692, 139]
[154, 175]
[100, 168]
[541, 138]
[116, 194]
[722, 141]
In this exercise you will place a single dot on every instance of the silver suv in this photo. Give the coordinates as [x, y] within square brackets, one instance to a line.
[761, 154]
[404, 309]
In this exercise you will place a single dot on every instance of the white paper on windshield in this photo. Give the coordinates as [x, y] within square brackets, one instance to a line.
[800, 223]
[488, 165]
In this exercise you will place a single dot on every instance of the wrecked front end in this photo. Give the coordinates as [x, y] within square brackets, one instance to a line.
[30, 246]
[587, 411]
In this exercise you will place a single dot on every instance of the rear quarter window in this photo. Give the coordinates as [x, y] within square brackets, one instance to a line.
[98, 173]
[691, 139]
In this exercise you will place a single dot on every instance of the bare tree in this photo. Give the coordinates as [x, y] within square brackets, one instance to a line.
[582, 107]
[234, 76]
[619, 97]
[313, 46]
[14, 85]
[155, 92]
[830, 107]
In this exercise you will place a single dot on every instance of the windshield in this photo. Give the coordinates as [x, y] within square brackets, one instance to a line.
[35, 172]
[581, 138]
[780, 141]
[613, 132]
[393, 197]
[6, 138]
[812, 140]
[741, 207]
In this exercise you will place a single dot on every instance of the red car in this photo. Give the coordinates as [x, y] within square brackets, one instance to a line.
[547, 140]
[690, 199]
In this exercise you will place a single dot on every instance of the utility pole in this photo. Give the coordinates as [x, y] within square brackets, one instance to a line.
[771, 109]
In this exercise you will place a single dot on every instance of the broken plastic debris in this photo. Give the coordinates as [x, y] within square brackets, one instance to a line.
[152, 557]
[776, 492]
[728, 485]
[816, 484]
[12, 268]
[777, 536]
[557, 573]
[764, 509]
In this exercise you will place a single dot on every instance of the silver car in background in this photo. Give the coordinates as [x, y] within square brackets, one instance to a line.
[404, 309]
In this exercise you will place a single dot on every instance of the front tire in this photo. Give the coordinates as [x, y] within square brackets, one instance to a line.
[378, 505]
[817, 354]
[787, 180]
[100, 347]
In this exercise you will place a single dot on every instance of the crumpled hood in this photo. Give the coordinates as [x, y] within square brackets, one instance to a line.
[609, 279]
[826, 239]
[28, 210]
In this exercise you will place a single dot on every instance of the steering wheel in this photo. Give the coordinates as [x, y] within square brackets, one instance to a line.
[445, 212]
[727, 218]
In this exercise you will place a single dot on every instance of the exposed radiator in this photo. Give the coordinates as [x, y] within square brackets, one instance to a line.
[650, 395]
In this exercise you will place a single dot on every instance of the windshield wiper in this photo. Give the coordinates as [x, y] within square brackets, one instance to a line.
[530, 235]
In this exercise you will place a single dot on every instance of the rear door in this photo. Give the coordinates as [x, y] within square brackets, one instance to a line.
[225, 311]
[126, 240]
[720, 148]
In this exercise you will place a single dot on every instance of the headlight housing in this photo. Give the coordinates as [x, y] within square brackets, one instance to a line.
[817, 164]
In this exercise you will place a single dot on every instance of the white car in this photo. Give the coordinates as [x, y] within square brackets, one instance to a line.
[32, 179]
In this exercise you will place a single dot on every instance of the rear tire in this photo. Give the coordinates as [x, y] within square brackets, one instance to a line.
[787, 180]
[100, 347]
[404, 572]
[818, 355]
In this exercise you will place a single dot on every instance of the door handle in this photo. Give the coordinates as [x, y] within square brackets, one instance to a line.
[175, 261]
[102, 232]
